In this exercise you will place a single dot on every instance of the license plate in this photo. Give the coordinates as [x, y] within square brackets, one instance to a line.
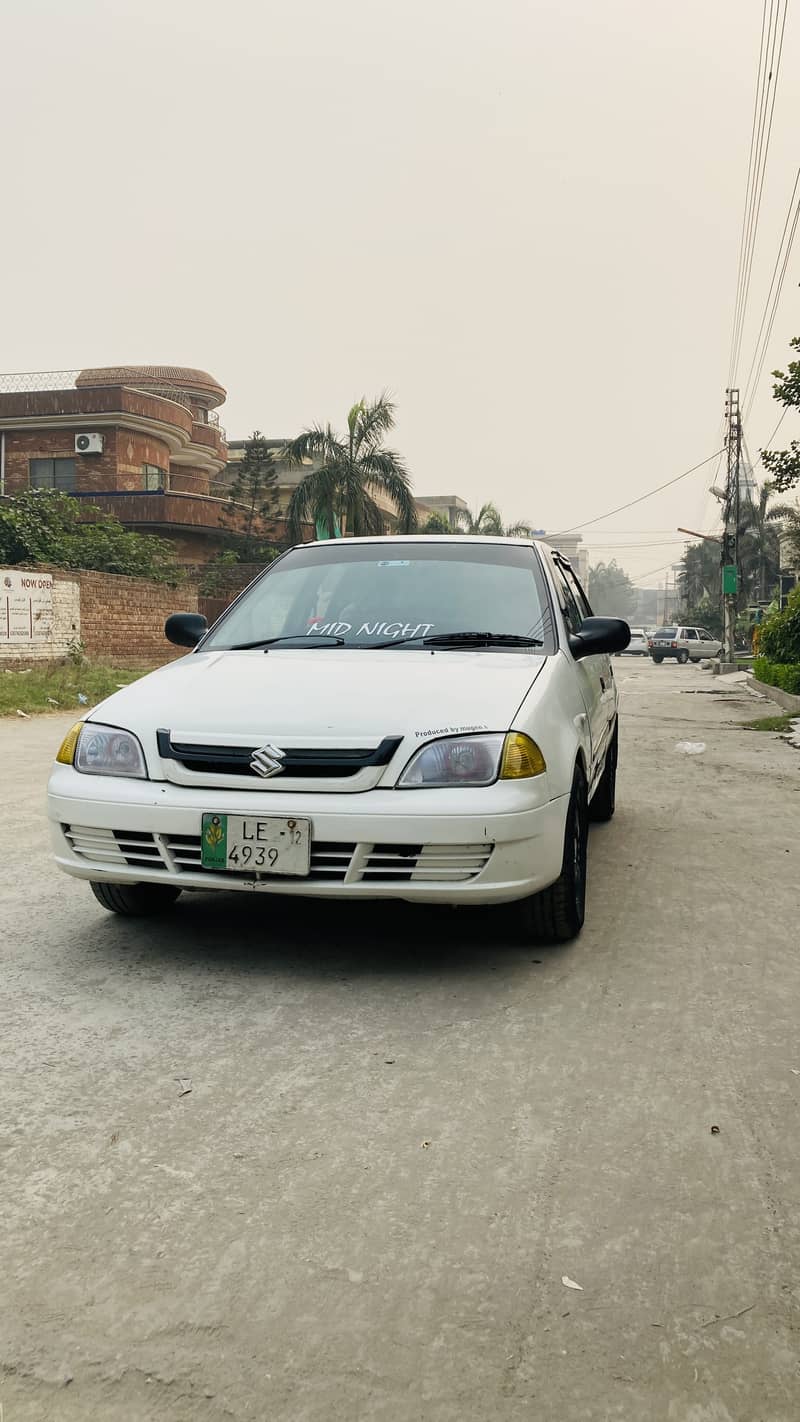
[661, 644]
[260, 846]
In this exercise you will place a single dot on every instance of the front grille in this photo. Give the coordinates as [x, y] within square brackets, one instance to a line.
[429, 863]
[301, 763]
[104, 846]
[330, 859]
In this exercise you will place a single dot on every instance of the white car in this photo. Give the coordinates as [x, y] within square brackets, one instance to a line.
[685, 644]
[423, 718]
[638, 645]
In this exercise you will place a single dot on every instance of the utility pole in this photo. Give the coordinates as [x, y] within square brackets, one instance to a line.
[729, 553]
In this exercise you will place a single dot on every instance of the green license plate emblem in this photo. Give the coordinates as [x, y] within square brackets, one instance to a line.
[214, 842]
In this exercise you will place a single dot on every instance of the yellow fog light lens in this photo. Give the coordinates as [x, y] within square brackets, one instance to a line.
[66, 754]
[521, 758]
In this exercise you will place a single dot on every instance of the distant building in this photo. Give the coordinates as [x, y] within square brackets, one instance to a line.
[450, 506]
[141, 442]
[572, 547]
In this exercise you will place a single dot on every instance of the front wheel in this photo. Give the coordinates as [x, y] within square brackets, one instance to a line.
[134, 900]
[557, 913]
[683, 656]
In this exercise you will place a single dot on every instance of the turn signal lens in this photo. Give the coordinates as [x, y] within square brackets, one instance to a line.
[521, 758]
[66, 754]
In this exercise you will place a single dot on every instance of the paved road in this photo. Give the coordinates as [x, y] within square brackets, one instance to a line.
[403, 1129]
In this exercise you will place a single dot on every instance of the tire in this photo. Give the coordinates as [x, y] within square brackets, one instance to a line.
[135, 900]
[683, 656]
[604, 800]
[557, 913]
[658, 661]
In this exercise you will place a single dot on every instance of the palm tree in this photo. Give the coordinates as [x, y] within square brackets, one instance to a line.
[789, 533]
[339, 492]
[489, 521]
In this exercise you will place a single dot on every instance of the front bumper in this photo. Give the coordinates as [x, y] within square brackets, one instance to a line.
[382, 844]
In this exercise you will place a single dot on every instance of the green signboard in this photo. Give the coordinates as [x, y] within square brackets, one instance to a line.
[730, 580]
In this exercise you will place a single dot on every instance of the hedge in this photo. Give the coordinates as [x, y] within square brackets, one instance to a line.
[774, 674]
[779, 635]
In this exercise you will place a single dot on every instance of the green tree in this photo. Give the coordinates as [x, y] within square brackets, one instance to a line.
[46, 526]
[437, 523]
[699, 579]
[253, 505]
[784, 465]
[759, 541]
[338, 494]
[780, 634]
[488, 520]
[611, 591]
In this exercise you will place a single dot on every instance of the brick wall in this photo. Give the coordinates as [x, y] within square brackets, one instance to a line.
[122, 619]
[118, 467]
[188, 479]
[119, 620]
[92, 472]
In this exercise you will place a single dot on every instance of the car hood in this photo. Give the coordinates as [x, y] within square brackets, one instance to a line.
[301, 696]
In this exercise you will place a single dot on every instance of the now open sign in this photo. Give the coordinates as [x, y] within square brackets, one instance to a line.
[26, 606]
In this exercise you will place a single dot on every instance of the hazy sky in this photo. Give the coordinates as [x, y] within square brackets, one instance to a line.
[522, 217]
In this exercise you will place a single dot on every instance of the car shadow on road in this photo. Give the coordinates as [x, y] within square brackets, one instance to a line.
[263, 936]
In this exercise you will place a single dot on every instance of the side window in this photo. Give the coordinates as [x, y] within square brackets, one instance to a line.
[577, 592]
[567, 599]
[691, 633]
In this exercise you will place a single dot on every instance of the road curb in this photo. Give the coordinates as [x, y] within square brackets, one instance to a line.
[783, 698]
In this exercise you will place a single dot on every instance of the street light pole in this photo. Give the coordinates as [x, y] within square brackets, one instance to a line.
[729, 552]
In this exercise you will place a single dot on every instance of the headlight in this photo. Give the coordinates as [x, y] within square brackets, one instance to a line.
[472, 760]
[103, 750]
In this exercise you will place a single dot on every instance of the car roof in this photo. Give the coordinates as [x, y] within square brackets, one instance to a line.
[426, 538]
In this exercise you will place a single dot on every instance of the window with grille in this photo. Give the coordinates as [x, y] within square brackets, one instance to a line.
[52, 474]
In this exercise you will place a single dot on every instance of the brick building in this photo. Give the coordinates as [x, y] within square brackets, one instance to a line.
[143, 443]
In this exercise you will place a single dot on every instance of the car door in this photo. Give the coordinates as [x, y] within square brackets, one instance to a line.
[692, 642]
[593, 673]
[710, 644]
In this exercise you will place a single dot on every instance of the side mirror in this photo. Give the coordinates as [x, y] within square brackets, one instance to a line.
[185, 629]
[599, 634]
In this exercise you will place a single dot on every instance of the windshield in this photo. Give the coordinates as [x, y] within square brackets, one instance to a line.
[363, 594]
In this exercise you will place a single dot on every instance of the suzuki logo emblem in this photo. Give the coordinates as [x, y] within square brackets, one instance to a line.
[266, 760]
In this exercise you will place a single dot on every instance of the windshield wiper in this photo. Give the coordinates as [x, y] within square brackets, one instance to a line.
[287, 637]
[466, 639]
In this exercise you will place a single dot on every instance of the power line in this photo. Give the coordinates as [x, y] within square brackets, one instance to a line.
[750, 391]
[764, 107]
[634, 547]
[599, 518]
[740, 267]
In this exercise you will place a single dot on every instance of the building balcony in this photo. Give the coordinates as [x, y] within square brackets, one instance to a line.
[210, 437]
[171, 512]
[162, 513]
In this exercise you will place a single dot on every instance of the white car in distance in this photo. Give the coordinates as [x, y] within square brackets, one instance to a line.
[423, 718]
[638, 645]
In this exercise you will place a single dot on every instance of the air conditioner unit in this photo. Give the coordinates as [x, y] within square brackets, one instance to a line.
[88, 444]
